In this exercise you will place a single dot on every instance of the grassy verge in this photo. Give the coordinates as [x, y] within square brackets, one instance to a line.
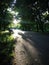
[6, 48]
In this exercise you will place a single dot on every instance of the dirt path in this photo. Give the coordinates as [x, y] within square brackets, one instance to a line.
[21, 55]
[31, 48]
[25, 53]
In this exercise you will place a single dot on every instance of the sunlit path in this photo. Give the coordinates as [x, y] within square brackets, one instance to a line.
[29, 48]
[25, 56]
[25, 52]
[21, 55]
[16, 33]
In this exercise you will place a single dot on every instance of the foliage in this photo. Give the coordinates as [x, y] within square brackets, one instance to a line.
[5, 16]
[33, 10]
[6, 48]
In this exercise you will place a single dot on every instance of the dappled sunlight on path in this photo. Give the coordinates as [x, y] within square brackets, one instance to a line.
[21, 55]
[16, 33]
[24, 52]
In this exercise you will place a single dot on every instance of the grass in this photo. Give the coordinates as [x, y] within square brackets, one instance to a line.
[6, 48]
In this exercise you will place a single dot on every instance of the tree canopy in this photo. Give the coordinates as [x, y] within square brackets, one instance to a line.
[5, 16]
[29, 10]
[34, 10]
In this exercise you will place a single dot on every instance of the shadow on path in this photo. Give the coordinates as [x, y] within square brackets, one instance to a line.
[39, 41]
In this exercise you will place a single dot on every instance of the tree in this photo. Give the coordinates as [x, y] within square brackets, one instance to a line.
[33, 10]
[5, 16]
